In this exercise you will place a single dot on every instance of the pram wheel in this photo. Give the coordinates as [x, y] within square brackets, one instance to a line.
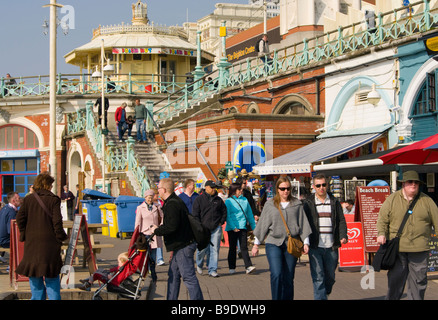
[97, 297]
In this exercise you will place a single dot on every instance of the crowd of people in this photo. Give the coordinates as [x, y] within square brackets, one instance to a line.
[317, 220]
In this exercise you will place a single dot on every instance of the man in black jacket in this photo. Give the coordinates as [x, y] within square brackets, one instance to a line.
[178, 237]
[329, 232]
[210, 209]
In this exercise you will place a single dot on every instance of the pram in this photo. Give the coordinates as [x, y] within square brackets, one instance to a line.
[122, 281]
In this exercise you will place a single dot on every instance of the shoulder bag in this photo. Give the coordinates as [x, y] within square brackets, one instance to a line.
[294, 244]
[386, 255]
[42, 205]
[248, 225]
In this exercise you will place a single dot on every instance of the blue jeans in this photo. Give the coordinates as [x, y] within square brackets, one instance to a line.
[141, 129]
[52, 287]
[282, 267]
[323, 264]
[212, 252]
[159, 255]
[121, 128]
[183, 265]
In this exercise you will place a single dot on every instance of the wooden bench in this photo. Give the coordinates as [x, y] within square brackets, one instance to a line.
[5, 250]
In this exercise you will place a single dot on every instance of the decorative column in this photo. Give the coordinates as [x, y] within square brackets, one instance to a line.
[223, 63]
[199, 72]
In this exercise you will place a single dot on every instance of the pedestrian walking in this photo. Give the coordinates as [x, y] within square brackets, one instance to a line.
[271, 226]
[239, 220]
[140, 121]
[210, 209]
[120, 117]
[189, 195]
[148, 214]
[411, 264]
[100, 113]
[39, 221]
[178, 237]
[329, 231]
[68, 197]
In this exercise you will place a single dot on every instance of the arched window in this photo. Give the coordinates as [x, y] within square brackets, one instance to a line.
[13, 137]
[293, 104]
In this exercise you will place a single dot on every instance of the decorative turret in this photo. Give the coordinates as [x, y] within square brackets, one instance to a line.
[139, 13]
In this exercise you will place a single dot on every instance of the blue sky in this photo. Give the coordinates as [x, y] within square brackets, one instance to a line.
[24, 49]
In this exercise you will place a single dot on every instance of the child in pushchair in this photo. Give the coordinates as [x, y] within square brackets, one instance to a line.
[119, 279]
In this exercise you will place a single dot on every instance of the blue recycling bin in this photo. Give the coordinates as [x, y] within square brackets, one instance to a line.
[126, 208]
[91, 202]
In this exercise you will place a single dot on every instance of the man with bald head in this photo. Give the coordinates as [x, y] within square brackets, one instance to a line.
[178, 238]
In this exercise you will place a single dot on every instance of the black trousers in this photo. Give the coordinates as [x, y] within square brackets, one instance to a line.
[242, 236]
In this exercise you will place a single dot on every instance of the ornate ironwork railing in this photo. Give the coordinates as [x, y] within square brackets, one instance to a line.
[115, 158]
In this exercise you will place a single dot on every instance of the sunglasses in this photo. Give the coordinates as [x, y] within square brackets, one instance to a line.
[412, 182]
[283, 189]
[321, 185]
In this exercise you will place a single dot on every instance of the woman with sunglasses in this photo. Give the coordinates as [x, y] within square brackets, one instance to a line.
[270, 228]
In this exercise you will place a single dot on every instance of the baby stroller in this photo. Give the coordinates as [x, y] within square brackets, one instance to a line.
[122, 282]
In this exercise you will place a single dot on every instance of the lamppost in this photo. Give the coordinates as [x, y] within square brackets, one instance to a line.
[108, 69]
[52, 109]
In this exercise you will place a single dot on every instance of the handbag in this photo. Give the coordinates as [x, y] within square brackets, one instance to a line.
[42, 205]
[387, 253]
[248, 225]
[294, 244]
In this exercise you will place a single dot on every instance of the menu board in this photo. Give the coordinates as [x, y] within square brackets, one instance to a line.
[432, 264]
[368, 203]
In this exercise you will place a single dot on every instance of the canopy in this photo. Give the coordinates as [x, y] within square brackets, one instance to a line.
[301, 160]
[419, 152]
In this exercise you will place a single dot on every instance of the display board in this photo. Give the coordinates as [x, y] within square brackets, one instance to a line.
[368, 203]
[15, 255]
[352, 253]
[432, 264]
[80, 227]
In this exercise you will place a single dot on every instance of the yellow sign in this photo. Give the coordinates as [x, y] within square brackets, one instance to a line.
[240, 53]
[432, 44]
[223, 31]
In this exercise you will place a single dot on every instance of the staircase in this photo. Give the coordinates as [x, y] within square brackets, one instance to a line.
[192, 110]
[149, 156]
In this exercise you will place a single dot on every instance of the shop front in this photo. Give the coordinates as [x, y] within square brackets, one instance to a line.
[19, 160]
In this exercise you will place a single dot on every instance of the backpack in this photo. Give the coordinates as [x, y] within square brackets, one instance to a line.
[201, 233]
[257, 46]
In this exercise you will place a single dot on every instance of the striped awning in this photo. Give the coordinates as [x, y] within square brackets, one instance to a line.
[301, 160]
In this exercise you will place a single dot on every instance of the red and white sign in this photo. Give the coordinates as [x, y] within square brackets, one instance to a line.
[352, 254]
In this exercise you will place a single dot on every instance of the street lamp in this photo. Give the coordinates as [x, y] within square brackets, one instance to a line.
[52, 109]
[108, 69]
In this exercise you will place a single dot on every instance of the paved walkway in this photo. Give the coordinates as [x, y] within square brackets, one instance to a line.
[238, 286]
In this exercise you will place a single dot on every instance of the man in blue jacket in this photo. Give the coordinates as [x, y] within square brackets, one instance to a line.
[8, 213]
[210, 209]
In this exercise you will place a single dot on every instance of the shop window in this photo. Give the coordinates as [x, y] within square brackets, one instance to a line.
[17, 138]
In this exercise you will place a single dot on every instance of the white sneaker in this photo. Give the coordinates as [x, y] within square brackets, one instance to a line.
[232, 271]
[160, 263]
[213, 274]
[3, 260]
[250, 269]
[199, 270]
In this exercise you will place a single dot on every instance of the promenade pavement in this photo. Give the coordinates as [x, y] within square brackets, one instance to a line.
[230, 287]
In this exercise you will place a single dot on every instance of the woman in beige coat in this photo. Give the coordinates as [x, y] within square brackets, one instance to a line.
[148, 214]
